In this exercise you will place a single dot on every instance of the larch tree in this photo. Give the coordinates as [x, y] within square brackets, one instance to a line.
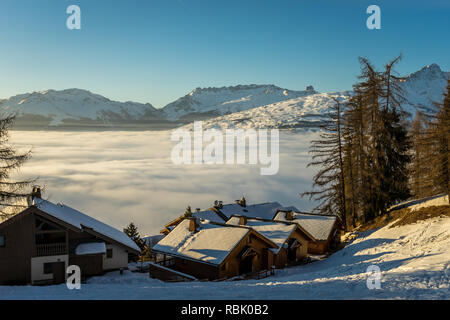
[13, 194]
[364, 154]
[327, 152]
[439, 134]
[419, 167]
[395, 151]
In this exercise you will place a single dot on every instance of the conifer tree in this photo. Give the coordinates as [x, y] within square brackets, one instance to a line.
[364, 155]
[395, 151]
[13, 194]
[419, 167]
[187, 213]
[327, 152]
[132, 231]
[437, 139]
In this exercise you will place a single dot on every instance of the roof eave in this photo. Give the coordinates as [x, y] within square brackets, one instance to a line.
[186, 257]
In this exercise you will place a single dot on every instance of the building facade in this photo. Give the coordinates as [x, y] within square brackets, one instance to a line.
[39, 244]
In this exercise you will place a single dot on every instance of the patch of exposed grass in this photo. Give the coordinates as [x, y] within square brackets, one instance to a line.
[405, 216]
[421, 214]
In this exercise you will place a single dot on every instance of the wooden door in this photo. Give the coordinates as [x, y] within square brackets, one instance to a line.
[265, 259]
[59, 272]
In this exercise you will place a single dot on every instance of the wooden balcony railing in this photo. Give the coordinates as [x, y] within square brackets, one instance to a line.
[263, 274]
[53, 249]
[166, 262]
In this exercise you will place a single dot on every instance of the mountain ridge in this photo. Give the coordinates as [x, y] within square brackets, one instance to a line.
[252, 105]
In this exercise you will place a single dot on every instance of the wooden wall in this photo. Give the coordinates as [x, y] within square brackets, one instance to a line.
[319, 247]
[15, 257]
[165, 275]
[263, 261]
[90, 265]
[197, 269]
[281, 259]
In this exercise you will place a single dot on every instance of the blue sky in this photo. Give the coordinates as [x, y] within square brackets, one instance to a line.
[156, 51]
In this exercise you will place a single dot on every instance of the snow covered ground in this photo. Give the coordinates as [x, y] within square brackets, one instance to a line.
[414, 261]
[300, 112]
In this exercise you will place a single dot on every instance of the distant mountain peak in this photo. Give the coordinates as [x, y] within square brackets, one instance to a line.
[54, 107]
[431, 71]
[213, 101]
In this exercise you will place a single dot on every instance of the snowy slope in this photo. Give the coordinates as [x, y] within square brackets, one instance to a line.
[226, 100]
[420, 88]
[298, 112]
[414, 261]
[73, 104]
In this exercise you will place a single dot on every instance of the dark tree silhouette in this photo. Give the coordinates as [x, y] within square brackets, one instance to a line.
[13, 194]
[327, 152]
[132, 231]
[364, 154]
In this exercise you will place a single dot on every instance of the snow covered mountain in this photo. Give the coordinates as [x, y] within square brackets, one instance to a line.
[424, 87]
[73, 106]
[420, 88]
[304, 112]
[208, 102]
[242, 106]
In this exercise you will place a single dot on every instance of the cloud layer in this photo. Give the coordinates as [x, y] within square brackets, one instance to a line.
[119, 177]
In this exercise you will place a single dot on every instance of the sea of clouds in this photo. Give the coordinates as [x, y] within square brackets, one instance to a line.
[125, 176]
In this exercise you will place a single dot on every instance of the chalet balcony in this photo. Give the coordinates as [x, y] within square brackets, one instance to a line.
[52, 249]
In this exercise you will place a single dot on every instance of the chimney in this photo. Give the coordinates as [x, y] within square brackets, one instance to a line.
[29, 201]
[218, 204]
[36, 192]
[193, 224]
[242, 220]
[289, 215]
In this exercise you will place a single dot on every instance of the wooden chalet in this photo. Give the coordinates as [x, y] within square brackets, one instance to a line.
[292, 240]
[38, 244]
[208, 250]
[221, 213]
[325, 229]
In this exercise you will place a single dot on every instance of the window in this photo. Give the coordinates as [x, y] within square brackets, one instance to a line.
[48, 268]
[109, 253]
[2, 242]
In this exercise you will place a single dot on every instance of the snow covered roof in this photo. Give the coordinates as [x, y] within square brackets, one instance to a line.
[260, 210]
[277, 232]
[90, 248]
[319, 226]
[211, 243]
[208, 215]
[80, 221]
